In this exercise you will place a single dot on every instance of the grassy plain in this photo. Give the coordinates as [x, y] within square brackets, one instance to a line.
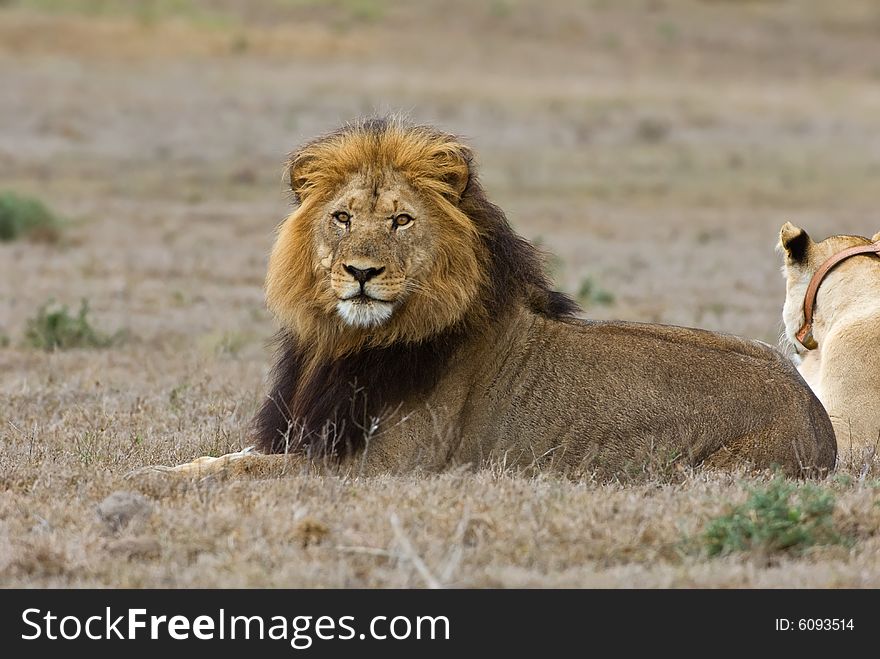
[655, 147]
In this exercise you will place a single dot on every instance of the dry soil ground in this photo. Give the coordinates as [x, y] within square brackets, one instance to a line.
[654, 146]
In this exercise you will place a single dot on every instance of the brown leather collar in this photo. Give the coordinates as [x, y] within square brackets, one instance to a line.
[805, 333]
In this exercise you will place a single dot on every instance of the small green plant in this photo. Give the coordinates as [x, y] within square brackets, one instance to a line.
[843, 481]
[368, 11]
[240, 44]
[230, 343]
[176, 397]
[500, 8]
[26, 217]
[55, 328]
[553, 264]
[590, 294]
[668, 31]
[224, 343]
[778, 517]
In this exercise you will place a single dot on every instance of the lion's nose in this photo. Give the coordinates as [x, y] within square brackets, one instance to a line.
[363, 275]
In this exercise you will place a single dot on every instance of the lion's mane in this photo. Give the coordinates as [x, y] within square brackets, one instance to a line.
[331, 383]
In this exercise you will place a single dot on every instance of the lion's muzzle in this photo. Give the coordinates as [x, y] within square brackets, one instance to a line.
[366, 297]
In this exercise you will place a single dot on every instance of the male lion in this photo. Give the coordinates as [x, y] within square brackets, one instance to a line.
[834, 325]
[418, 330]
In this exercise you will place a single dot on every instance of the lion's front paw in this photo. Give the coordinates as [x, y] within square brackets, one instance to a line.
[160, 479]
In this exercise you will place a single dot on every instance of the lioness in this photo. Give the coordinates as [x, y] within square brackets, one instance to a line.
[835, 327]
[417, 329]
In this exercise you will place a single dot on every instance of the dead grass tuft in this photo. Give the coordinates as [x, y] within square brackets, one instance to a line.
[310, 531]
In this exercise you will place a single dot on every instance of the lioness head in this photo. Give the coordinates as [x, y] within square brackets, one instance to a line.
[802, 257]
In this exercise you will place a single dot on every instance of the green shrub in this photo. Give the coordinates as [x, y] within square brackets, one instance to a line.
[590, 293]
[26, 217]
[55, 328]
[778, 517]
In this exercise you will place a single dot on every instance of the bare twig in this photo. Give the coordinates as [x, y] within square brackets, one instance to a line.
[410, 553]
[457, 546]
[369, 551]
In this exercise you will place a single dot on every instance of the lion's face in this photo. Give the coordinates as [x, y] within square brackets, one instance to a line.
[379, 251]
[374, 243]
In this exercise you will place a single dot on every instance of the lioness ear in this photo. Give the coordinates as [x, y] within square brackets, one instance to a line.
[795, 241]
[875, 237]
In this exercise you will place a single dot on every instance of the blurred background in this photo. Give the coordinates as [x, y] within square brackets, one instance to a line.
[653, 147]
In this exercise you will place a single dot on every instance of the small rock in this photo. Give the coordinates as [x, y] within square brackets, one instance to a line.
[121, 508]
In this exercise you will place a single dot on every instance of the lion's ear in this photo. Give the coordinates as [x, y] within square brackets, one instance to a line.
[299, 170]
[795, 241]
[453, 167]
[875, 237]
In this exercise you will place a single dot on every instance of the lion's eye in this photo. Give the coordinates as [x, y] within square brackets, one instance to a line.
[342, 217]
[402, 220]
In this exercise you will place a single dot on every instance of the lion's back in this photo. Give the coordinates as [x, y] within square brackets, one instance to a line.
[613, 390]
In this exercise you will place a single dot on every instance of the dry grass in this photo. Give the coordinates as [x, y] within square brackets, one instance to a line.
[655, 147]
